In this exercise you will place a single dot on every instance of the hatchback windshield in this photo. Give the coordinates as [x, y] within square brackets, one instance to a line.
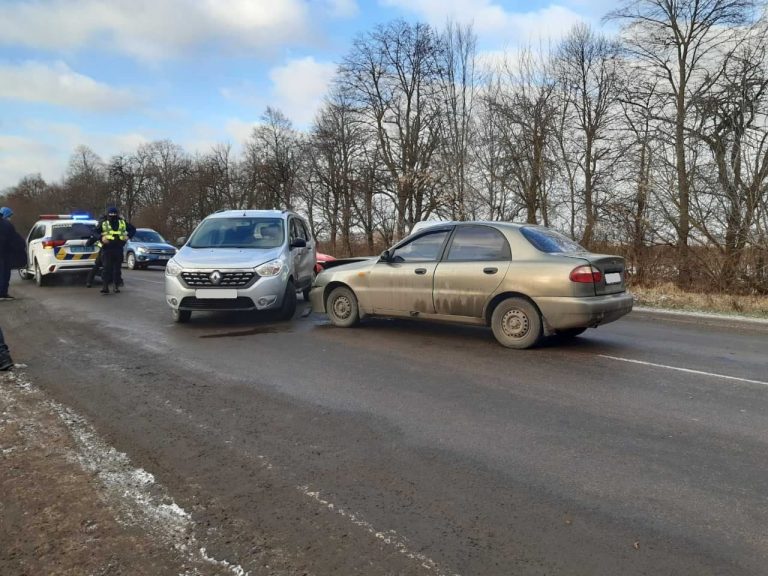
[550, 241]
[148, 236]
[74, 231]
[238, 233]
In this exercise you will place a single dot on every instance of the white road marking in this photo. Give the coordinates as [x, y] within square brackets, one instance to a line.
[686, 370]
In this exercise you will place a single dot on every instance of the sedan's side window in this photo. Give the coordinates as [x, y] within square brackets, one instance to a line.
[478, 243]
[425, 248]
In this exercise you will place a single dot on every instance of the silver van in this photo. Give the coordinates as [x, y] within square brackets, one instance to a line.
[242, 260]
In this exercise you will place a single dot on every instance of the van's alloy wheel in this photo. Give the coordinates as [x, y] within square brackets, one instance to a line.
[131, 261]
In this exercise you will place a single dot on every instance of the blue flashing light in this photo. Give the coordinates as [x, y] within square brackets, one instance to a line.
[81, 216]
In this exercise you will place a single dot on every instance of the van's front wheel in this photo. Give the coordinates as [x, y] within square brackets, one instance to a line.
[288, 308]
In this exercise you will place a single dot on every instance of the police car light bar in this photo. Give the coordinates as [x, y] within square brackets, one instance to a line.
[80, 216]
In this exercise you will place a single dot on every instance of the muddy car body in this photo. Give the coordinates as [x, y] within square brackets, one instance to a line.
[524, 281]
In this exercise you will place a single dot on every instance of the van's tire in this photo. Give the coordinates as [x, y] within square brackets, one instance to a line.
[288, 308]
[342, 308]
[516, 323]
[181, 316]
[130, 261]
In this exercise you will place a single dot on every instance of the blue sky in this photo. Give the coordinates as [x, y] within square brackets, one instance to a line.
[112, 74]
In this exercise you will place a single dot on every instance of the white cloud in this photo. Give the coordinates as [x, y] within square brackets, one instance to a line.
[46, 148]
[60, 85]
[152, 29]
[493, 20]
[342, 8]
[299, 87]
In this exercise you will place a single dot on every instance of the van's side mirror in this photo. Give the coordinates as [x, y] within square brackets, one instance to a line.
[180, 241]
[386, 256]
[298, 243]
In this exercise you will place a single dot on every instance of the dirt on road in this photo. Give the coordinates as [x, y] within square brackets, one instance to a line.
[72, 506]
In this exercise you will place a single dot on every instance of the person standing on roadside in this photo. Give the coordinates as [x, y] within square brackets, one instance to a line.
[13, 251]
[95, 240]
[5, 356]
[114, 234]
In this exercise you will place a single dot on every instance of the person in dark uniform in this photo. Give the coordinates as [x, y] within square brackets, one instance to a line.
[115, 232]
[5, 356]
[13, 252]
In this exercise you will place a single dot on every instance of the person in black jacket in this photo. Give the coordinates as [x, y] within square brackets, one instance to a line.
[115, 232]
[95, 240]
[5, 356]
[13, 252]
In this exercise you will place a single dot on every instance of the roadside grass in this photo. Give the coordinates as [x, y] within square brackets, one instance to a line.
[668, 296]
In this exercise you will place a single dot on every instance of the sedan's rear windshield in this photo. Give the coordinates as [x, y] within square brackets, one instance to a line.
[148, 236]
[550, 241]
[238, 233]
[73, 231]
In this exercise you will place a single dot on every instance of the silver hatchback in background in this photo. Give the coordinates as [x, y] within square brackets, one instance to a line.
[242, 260]
[523, 281]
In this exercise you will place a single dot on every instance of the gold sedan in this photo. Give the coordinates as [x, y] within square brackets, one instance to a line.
[524, 281]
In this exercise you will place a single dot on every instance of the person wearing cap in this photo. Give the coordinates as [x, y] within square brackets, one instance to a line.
[115, 232]
[12, 251]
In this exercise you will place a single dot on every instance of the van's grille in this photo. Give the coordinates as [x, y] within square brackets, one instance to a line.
[161, 251]
[228, 279]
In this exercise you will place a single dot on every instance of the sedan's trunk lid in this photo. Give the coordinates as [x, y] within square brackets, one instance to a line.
[611, 270]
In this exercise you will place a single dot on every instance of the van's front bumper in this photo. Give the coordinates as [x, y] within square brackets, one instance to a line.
[265, 293]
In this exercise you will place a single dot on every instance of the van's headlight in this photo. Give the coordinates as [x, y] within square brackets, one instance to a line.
[172, 268]
[141, 250]
[271, 268]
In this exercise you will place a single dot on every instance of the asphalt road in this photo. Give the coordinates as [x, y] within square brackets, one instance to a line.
[411, 448]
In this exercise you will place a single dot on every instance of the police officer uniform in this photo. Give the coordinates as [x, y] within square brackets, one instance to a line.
[114, 235]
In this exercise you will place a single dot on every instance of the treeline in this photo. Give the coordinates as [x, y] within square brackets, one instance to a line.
[653, 143]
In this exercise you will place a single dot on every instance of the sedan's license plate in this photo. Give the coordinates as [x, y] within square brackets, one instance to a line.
[216, 293]
[613, 278]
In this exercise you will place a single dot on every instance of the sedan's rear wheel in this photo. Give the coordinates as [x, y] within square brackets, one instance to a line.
[516, 323]
[181, 316]
[342, 307]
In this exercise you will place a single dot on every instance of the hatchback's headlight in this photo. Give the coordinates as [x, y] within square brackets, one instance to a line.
[172, 268]
[141, 250]
[271, 268]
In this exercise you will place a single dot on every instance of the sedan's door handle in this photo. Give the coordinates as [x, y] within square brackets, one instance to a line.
[420, 270]
[490, 270]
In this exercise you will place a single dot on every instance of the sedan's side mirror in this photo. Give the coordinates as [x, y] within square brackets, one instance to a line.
[298, 243]
[386, 256]
[180, 241]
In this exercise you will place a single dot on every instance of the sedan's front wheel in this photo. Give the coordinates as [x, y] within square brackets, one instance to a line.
[516, 323]
[342, 308]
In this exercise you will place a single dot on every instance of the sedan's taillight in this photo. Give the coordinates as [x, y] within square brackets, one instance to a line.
[586, 275]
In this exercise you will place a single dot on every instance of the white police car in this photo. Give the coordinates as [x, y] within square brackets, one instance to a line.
[57, 243]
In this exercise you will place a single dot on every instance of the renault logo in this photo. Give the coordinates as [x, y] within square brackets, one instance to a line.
[215, 277]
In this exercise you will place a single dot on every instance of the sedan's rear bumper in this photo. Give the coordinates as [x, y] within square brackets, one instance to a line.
[562, 313]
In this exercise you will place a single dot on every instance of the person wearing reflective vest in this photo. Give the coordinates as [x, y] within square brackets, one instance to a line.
[114, 235]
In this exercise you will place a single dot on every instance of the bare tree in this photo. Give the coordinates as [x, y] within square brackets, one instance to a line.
[676, 41]
[587, 70]
[391, 77]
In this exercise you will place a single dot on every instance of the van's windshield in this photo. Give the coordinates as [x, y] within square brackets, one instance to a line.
[238, 233]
